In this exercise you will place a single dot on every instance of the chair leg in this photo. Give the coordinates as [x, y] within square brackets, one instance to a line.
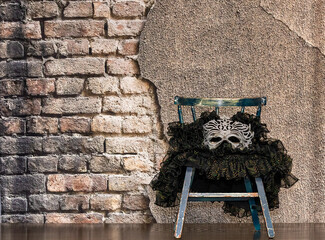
[252, 205]
[182, 208]
[265, 207]
[257, 235]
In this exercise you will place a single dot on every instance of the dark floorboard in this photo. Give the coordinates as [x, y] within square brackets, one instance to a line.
[157, 232]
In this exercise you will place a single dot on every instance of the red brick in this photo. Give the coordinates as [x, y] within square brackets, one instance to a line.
[12, 12]
[30, 30]
[88, 183]
[127, 145]
[101, 10]
[75, 66]
[103, 85]
[41, 86]
[35, 68]
[20, 68]
[26, 218]
[135, 202]
[21, 145]
[124, 27]
[57, 183]
[106, 202]
[72, 105]
[128, 104]
[105, 163]
[134, 124]
[69, 86]
[74, 202]
[15, 49]
[73, 144]
[78, 9]
[17, 68]
[45, 9]
[42, 125]
[75, 124]
[9, 87]
[104, 46]
[74, 218]
[128, 183]
[20, 107]
[128, 9]
[131, 85]
[3, 50]
[137, 163]
[43, 202]
[73, 47]
[73, 163]
[76, 183]
[14, 204]
[128, 47]
[122, 66]
[3, 69]
[106, 124]
[74, 28]
[11, 49]
[23, 184]
[133, 217]
[9, 126]
[41, 48]
[43, 164]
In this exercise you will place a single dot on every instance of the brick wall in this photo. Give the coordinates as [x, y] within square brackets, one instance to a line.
[78, 126]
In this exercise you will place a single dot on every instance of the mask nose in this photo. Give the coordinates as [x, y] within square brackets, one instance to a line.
[225, 144]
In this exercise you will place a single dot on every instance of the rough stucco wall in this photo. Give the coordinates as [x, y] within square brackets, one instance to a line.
[242, 49]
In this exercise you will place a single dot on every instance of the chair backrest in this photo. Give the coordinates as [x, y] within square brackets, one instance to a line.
[218, 102]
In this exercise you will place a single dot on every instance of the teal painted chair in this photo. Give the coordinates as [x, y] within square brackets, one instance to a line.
[189, 175]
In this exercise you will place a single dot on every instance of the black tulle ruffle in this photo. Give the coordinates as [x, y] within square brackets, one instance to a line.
[222, 169]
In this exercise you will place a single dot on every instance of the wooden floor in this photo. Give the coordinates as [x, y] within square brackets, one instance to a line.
[157, 232]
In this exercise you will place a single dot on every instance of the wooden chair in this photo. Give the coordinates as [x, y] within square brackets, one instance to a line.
[189, 175]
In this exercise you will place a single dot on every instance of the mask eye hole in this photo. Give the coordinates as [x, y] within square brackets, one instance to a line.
[215, 139]
[234, 139]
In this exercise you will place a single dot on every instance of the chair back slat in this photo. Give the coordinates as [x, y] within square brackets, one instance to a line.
[242, 109]
[218, 102]
[193, 113]
[217, 110]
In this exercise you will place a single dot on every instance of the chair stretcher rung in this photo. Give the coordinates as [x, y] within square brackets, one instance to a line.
[223, 195]
[217, 199]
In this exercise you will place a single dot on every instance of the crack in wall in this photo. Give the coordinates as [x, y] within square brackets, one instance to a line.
[301, 36]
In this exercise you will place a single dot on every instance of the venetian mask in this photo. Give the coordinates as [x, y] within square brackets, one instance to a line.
[216, 132]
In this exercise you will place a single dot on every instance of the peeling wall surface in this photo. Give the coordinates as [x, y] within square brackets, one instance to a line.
[231, 48]
[305, 18]
[79, 127]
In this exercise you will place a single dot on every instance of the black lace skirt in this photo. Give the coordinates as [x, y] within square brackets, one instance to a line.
[222, 169]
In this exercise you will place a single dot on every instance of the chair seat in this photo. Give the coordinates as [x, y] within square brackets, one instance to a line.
[226, 195]
[197, 197]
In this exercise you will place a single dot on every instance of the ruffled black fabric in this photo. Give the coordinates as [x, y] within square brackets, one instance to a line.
[222, 169]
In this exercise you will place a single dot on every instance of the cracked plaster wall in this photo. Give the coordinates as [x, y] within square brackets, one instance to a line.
[234, 48]
[305, 18]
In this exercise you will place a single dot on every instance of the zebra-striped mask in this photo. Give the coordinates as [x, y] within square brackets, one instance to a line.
[239, 135]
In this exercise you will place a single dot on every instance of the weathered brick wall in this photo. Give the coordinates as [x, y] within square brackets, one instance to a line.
[78, 126]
